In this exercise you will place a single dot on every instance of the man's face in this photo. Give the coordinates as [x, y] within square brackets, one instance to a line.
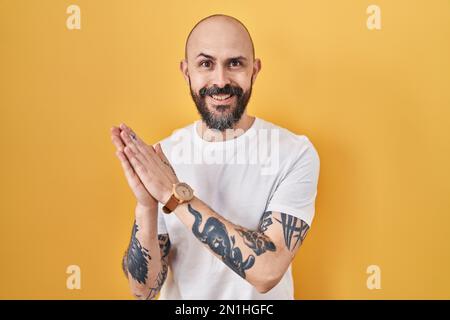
[220, 107]
[220, 70]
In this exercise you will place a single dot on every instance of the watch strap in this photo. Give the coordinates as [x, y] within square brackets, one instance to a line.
[171, 204]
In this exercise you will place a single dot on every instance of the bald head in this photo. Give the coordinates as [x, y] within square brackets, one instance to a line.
[217, 32]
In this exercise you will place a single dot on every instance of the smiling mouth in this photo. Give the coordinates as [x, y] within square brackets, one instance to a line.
[221, 97]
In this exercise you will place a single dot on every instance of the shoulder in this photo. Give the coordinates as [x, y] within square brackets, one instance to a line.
[292, 145]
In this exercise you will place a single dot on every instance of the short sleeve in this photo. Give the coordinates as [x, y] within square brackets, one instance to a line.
[162, 229]
[296, 192]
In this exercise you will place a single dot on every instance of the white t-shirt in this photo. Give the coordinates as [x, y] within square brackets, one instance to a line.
[267, 168]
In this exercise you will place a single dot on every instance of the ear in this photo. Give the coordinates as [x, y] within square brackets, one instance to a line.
[184, 70]
[256, 69]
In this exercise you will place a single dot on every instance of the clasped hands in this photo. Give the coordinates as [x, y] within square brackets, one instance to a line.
[147, 170]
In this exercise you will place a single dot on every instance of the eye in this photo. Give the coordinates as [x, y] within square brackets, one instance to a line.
[235, 63]
[205, 63]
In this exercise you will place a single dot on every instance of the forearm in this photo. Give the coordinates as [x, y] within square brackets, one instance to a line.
[142, 260]
[249, 253]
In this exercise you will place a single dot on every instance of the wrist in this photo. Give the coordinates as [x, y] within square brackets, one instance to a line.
[146, 210]
[181, 192]
[166, 195]
[183, 207]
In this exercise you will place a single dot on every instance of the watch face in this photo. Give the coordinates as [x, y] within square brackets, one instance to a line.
[183, 191]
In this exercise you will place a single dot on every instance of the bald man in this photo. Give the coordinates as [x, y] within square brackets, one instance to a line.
[223, 204]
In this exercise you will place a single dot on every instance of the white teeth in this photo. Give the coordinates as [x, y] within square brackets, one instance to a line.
[215, 97]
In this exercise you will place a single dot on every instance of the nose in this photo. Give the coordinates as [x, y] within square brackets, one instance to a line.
[221, 77]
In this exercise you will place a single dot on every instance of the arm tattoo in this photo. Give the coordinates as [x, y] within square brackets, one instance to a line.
[215, 235]
[124, 264]
[266, 221]
[137, 258]
[164, 246]
[159, 281]
[293, 228]
[257, 241]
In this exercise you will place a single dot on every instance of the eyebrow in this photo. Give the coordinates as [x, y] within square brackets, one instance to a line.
[214, 59]
[206, 56]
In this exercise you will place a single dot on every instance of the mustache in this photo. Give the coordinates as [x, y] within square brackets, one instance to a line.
[228, 89]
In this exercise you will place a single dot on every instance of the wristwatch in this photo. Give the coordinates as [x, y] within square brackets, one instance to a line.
[181, 193]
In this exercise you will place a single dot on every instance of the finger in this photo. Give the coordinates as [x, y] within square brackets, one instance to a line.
[116, 139]
[115, 131]
[149, 153]
[130, 143]
[130, 174]
[147, 150]
[133, 136]
[128, 137]
[118, 143]
[160, 153]
[138, 167]
[123, 126]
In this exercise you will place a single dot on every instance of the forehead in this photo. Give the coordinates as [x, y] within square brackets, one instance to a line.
[220, 38]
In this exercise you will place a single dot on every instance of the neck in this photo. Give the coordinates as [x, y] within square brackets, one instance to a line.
[239, 128]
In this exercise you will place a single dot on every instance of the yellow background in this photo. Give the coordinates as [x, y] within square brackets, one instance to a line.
[374, 103]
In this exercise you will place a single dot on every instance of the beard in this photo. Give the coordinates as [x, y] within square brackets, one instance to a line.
[224, 116]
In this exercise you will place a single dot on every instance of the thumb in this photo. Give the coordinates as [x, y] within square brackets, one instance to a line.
[160, 153]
